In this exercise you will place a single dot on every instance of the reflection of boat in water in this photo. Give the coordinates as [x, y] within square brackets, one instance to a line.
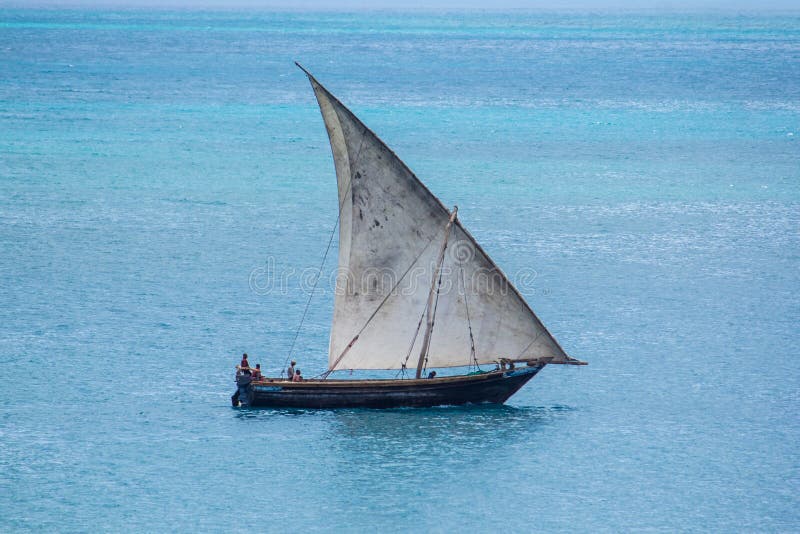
[397, 281]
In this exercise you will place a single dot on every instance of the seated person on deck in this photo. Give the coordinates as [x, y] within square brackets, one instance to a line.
[297, 376]
[257, 373]
[432, 374]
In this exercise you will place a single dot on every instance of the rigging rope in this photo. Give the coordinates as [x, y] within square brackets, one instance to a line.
[324, 256]
[313, 288]
[523, 351]
[416, 334]
[469, 322]
[433, 318]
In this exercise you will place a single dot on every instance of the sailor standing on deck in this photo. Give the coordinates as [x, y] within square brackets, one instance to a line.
[245, 365]
[290, 371]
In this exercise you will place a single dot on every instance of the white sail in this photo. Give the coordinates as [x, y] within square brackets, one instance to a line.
[390, 235]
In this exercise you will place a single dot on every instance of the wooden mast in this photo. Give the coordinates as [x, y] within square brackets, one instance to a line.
[426, 341]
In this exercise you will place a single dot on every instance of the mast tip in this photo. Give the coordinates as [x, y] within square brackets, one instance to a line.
[303, 69]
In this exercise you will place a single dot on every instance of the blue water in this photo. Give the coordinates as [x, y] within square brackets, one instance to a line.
[645, 166]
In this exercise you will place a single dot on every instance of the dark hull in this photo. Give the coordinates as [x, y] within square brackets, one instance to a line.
[495, 387]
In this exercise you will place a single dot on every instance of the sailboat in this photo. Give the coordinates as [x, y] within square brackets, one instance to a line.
[415, 291]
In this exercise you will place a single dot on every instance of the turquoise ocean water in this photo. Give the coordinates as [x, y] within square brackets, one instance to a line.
[645, 166]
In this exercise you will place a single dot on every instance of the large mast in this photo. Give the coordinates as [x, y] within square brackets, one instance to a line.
[426, 342]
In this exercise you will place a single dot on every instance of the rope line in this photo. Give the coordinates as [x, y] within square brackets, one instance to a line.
[523, 351]
[325, 256]
[435, 307]
[469, 322]
[433, 318]
[311, 295]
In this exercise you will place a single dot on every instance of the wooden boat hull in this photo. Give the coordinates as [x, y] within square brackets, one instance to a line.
[493, 387]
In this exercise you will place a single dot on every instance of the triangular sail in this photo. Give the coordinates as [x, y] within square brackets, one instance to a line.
[390, 234]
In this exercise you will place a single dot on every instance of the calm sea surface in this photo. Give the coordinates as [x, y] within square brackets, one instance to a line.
[646, 167]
